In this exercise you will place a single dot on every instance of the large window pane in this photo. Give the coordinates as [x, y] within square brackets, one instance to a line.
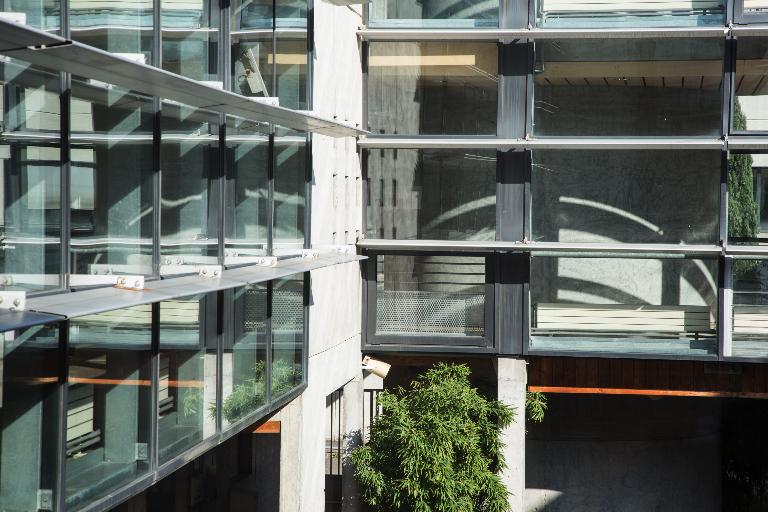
[628, 306]
[187, 387]
[291, 66]
[437, 194]
[190, 38]
[755, 7]
[435, 88]
[112, 172]
[633, 87]
[30, 162]
[244, 365]
[247, 191]
[434, 13]
[623, 13]
[290, 191]
[117, 27]
[748, 199]
[190, 182]
[626, 196]
[253, 64]
[287, 334]
[29, 417]
[750, 308]
[252, 14]
[42, 14]
[751, 102]
[109, 413]
[430, 296]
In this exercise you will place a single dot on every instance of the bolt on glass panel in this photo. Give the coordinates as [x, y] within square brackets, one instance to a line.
[630, 87]
[190, 33]
[433, 14]
[287, 335]
[111, 192]
[244, 363]
[748, 199]
[109, 406]
[290, 164]
[628, 13]
[123, 28]
[625, 196]
[247, 191]
[29, 415]
[430, 296]
[189, 204]
[749, 315]
[750, 109]
[30, 162]
[624, 305]
[432, 194]
[187, 387]
[432, 88]
[42, 14]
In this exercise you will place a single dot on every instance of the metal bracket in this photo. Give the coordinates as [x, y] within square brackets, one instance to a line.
[267, 261]
[268, 100]
[13, 301]
[44, 500]
[310, 254]
[142, 451]
[124, 282]
[210, 271]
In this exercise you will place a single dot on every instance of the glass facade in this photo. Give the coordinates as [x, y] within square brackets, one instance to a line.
[288, 335]
[433, 13]
[621, 13]
[190, 33]
[290, 193]
[42, 14]
[750, 109]
[124, 28]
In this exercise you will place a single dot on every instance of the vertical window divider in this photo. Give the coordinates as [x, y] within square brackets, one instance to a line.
[157, 31]
[63, 396]
[65, 174]
[154, 387]
[305, 325]
[268, 330]
[729, 90]
[271, 193]
[157, 181]
[221, 196]
[224, 302]
[309, 174]
[725, 296]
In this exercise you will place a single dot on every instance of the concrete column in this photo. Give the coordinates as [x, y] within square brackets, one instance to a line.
[512, 381]
[352, 397]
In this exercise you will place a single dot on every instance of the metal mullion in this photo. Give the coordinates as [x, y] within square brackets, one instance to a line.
[729, 74]
[65, 207]
[157, 33]
[309, 172]
[224, 304]
[725, 307]
[61, 440]
[723, 213]
[225, 47]
[154, 449]
[307, 285]
[268, 330]
[511, 34]
[157, 192]
[271, 194]
[221, 207]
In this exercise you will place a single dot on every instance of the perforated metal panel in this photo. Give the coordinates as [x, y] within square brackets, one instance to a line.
[426, 312]
[287, 310]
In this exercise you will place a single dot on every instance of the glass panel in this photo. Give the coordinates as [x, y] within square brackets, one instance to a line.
[252, 14]
[751, 103]
[252, 64]
[187, 387]
[433, 88]
[30, 415]
[30, 190]
[628, 306]
[750, 308]
[291, 13]
[633, 87]
[190, 184]
[42, 14]
[291, 70]
[109, 412]
[247, 191]
[190, 38]
[124, 28]
[433, 13]
[626, 196]
[430, 295]
[290, 191]
[755, 6]
[112, 172]
[287, 334]
[624, 13]
[244, 362]
[432, 194]
[747, 199]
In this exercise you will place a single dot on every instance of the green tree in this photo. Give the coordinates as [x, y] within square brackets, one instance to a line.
[436, 447]
[742, 209]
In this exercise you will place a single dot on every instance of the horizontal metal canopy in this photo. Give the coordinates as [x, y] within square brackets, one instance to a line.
[100, 300]
[540, 143]
[480, 34]
[10, 320]
[54, 52]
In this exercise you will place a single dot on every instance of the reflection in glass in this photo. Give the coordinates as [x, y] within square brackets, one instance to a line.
[626, 196]
[30, 162]
[189, 205]
[430, 295]
[436, 88]
[432, 194]
[187, 387]
[434, 13]
[751, 102]
[618, 305]
[190, 32]
[621, 13]
[252, 14]
[755, 6]
[290, 191]
[291, 67]
[247, 191]
[252, 65]
[112, 170]
[42, 14]
[29, 415]
[747, 199]
[108, 415]
[287, 334]
[124, 28]
[633, 87]
[750, 308]
[244, 365]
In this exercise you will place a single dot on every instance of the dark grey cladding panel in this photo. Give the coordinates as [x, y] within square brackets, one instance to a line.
[57, 53]
[12, 320]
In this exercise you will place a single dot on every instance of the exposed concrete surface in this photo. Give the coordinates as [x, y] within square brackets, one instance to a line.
[512, 381]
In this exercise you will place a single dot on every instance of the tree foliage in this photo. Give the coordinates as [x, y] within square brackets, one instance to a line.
[742, 209]
[436, 447]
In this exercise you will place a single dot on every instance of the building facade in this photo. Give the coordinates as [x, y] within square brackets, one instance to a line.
[212, 209]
